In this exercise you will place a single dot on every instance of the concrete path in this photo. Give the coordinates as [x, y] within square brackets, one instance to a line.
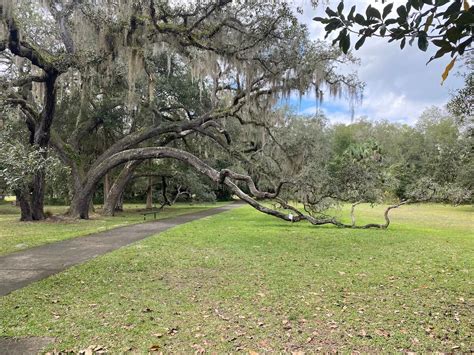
[20, 269]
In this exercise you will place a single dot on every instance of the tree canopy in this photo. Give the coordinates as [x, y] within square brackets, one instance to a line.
[187, 98]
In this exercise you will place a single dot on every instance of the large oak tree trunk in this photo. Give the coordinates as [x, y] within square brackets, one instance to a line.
[115, 196]
[41, 141]
[80, 204]
[37, 198]
[22, 199]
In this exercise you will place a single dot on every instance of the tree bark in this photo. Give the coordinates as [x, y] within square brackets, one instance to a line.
[149, 194]
[80, 204]
[106, 186]
[119, 206]
[80, 201]
[164, 192]
[114, 199]
[39, 124]
[37, 201]
[41, 139]
[22, 199]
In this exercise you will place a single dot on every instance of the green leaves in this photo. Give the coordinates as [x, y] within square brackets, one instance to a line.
[332, 25]
[360, 42]
[453, 8]
[428, 22]
[453, 34]
[422, 41]
[350, 17]
[345, 42]
[330, 12]
[387, 9]
[402, 12]
[340, 7]
[450, 28]
[372, 12]
[359, 19]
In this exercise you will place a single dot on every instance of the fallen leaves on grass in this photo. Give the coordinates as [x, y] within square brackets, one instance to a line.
[382, 333]
[154, 348]
[221, 316]
[93, 349]
[363, 334]
[173, 330]
[199, 349]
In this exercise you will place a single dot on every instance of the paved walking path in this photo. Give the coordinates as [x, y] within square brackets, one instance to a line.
[22, 268]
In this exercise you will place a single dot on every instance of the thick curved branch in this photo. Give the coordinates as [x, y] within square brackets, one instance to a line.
[25, 50]
[387, 211]
[250, 183]
[118, 187]
[219, 129]
[224, 177]
[179, 128]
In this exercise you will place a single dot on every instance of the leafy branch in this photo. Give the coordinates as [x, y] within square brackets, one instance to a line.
[448, 25]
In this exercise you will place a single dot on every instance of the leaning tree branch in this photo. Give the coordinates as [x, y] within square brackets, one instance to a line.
[250, 183]
[224, 177]
[23, 49]
[180, 129]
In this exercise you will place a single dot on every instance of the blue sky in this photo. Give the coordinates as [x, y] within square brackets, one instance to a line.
[399, 84]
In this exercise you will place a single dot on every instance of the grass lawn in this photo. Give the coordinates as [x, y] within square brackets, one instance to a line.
[16, 235]
[245, 281]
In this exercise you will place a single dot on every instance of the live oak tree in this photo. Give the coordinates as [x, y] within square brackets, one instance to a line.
[247, 55]
[19, 163]
[38, 46]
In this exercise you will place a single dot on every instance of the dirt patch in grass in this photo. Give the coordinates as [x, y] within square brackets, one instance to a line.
[27, 345]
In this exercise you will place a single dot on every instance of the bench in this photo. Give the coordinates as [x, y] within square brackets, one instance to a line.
[154, 212]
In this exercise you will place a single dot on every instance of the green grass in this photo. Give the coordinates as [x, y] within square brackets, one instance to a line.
[16, 235]
[245, 281]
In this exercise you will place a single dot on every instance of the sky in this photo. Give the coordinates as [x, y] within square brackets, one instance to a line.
[399, 84]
